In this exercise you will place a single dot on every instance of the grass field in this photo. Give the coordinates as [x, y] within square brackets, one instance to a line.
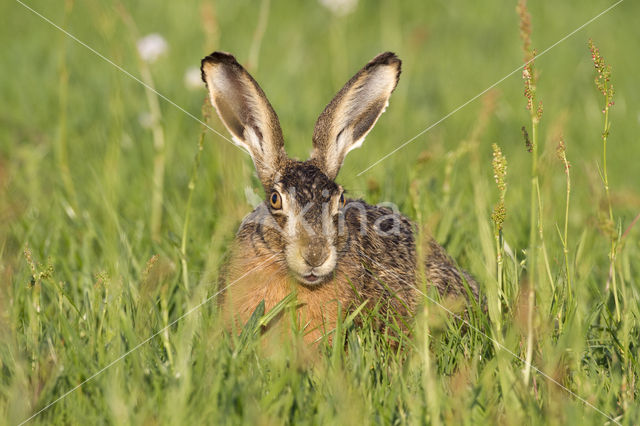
[113, 224]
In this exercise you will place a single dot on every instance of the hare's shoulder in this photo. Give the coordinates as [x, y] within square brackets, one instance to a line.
[256, 223]
[258, 215]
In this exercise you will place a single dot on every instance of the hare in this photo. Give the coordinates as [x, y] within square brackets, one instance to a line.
[335, 253]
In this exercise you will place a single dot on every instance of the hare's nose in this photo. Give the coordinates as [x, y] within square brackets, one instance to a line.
[317, 252]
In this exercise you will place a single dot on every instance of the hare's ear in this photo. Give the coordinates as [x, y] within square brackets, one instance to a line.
[348, 118]
[246, 113]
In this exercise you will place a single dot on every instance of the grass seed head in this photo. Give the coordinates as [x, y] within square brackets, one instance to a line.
[499, 164]
[499, 168]
[525, 29]
[529, 84]
[527, 141]
[561, 151]
[603, 75]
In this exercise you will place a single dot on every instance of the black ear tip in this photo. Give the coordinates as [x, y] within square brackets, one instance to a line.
[389, 59]
[217, 57]
[386, 58]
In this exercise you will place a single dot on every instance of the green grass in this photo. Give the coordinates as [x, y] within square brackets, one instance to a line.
[83, 282]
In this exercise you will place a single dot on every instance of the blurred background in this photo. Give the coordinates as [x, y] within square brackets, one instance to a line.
[95, 169]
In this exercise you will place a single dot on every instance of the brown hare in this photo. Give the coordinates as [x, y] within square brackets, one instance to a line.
[332, 252]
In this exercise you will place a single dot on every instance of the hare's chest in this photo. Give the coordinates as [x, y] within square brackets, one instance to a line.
[250, 280]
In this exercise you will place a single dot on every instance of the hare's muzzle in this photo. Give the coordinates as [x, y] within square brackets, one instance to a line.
[316, 252]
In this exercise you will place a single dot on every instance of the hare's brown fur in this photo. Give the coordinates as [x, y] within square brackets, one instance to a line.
[372, 268]
[305, 238]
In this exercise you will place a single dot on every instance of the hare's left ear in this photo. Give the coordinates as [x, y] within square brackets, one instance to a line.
[351, 114]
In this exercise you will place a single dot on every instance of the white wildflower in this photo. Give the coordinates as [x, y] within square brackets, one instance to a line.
[127, 141]
[193, 79]
[146, 120]
[340, 7]
[151, 47]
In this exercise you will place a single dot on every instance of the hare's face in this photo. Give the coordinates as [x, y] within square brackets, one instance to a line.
[306, 205]
[302, 198]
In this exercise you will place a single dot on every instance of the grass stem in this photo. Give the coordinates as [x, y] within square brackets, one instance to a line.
[159, 146]
[159, 159]
[612, 251]
[562, 153]
[192, 184]
[258, 35]
[61, 149]
[533, 248]
[604, 85]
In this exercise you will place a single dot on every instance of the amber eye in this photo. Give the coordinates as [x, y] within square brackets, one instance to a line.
[275, 200]
[341, 200]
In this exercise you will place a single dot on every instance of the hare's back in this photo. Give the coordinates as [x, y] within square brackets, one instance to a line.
[382, 235]
[385, 241]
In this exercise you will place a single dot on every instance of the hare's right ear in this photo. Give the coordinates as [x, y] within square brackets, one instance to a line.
[351, 114]
[246, 113]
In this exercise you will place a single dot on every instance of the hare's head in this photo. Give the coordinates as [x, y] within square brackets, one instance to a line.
[304, 205]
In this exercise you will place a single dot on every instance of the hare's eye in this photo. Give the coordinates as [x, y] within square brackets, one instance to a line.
[341, 200]
[276, 201]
